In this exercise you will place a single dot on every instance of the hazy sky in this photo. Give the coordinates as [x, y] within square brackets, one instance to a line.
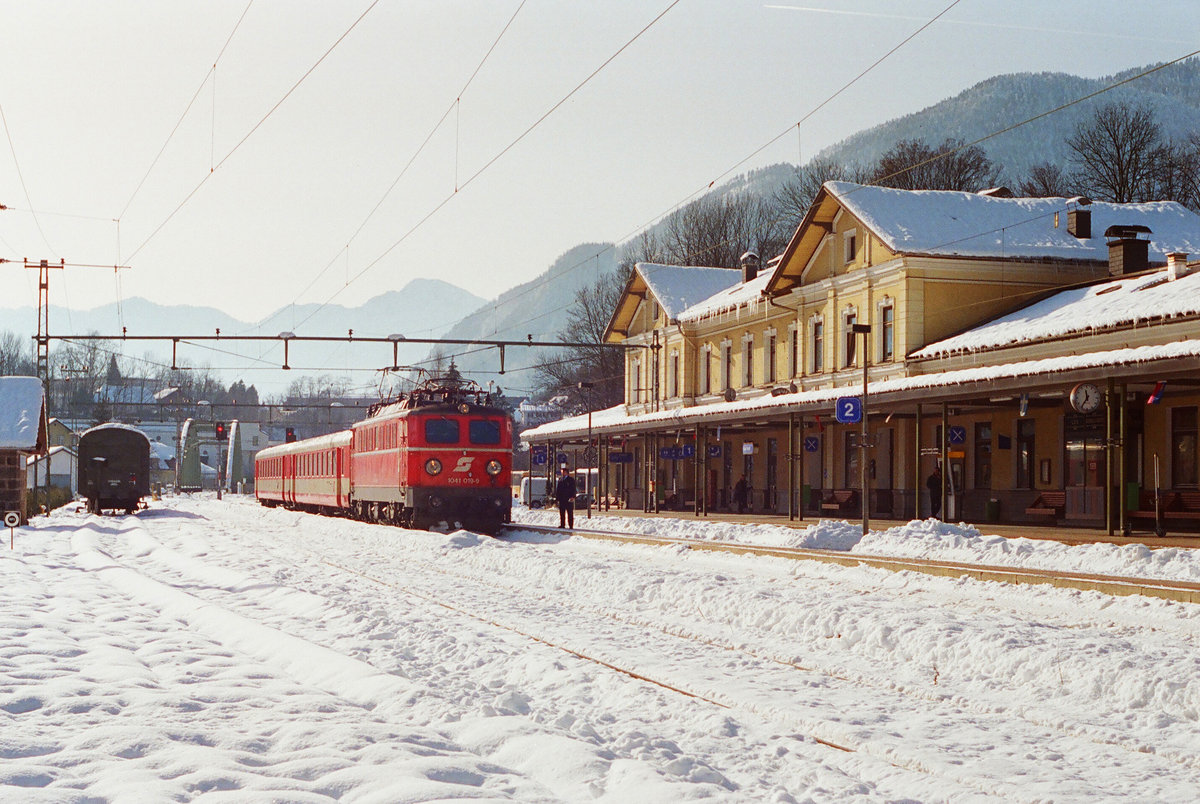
[92, 91]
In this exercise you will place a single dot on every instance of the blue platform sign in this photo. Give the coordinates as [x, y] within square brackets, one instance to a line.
[811, 443]
[670, 453]
[848, 410]
[689, 450]
[714, 450]
[562, 459]
[620, 457]
[537, 456]
[957, 434]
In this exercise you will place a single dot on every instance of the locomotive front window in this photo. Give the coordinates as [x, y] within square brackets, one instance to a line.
[441, 431]
[483, 431]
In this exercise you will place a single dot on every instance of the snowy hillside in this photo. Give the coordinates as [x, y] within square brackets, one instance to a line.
[537, 307]
[1173, 93]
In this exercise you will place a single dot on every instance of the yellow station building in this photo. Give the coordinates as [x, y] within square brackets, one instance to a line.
[1044, 350]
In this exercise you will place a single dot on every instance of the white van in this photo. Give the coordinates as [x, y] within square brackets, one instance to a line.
[533, 492]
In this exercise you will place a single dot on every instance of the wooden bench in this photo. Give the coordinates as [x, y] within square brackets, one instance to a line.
[1048, 503]
[840, 502]
[1185, 507]
[1145, 509]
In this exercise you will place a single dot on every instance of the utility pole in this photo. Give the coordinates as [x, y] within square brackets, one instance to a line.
[43, 358]
[587, 453]
[865, 331]
[42, 340]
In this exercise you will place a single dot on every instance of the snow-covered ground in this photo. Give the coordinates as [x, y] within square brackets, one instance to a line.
[215, 650]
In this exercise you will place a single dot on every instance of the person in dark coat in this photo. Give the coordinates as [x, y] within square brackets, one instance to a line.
[934, 484]
[739, 494]
[564, 492]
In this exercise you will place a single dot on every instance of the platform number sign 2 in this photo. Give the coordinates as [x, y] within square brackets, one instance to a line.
[848, 410]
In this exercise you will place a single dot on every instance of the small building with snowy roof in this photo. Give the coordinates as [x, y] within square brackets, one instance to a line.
[56, 469]
[1015, 341]
[22, 434]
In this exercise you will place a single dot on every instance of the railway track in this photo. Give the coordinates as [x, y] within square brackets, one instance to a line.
[1179, 591]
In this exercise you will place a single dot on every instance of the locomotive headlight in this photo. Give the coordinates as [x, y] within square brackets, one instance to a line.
[433, 466]
[494, 467]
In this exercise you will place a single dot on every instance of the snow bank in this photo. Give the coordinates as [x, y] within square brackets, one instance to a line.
[931, 539]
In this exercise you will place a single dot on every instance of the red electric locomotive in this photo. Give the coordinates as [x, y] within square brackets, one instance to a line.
[440, 454]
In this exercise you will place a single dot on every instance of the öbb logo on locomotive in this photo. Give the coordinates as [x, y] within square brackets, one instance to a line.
[389, 467]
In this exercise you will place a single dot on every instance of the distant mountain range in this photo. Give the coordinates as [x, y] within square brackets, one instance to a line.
[424, 308]
[537, 308]
[416, 310]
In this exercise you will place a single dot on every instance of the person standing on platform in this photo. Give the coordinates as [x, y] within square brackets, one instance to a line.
[564, 492]
[739, 494]
[934, 484]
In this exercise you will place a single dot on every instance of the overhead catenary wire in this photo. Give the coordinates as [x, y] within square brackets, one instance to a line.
[210, 74]
[454, 105]
[253, 129]
[942, 155]
[760, 149]
[1036, 117]
[494, 159]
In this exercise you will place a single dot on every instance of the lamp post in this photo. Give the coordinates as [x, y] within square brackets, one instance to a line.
[587, 454]
[865, 331]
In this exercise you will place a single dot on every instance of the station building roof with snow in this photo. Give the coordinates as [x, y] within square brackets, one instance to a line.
[985, 314]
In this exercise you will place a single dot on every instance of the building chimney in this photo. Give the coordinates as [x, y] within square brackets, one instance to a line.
[1177, 266]
[749, 265]
[1079, 220]
[1127, 252]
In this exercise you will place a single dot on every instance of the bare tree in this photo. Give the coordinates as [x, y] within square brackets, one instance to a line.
[321, 388]
[1177, 172]
[559, 372]
[1045, 181]
[16, 355]
[797, 194]
[717, 231]
[914, 165]
[1116, 153]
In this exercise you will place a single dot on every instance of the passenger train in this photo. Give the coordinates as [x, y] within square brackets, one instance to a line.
[440, 455]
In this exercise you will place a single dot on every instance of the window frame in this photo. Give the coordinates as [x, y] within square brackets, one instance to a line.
[817, 347]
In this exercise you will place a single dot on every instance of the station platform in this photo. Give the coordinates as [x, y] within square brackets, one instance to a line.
[1060, 533]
